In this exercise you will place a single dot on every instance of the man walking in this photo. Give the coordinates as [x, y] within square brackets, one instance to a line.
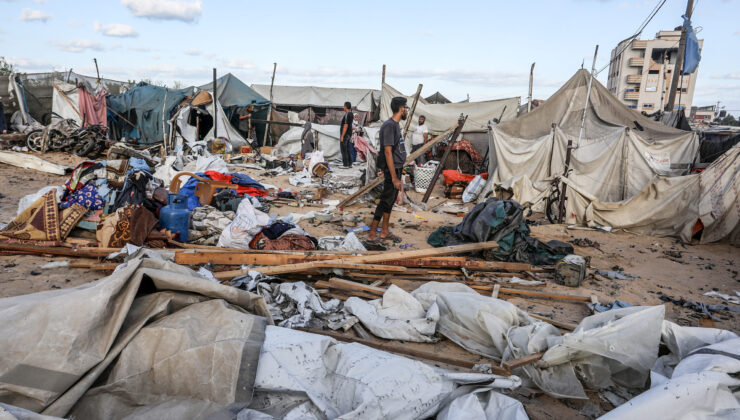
[345, 136]
[390, 160]
[419, 138]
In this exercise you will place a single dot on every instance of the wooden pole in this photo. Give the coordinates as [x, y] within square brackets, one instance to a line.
[96, 69]
[215, 105]
[411, 114]
[458, 130]
[269, 108]
[383, 80]
[529, 97]
[679, 60]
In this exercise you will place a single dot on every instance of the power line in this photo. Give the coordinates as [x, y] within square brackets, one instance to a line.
[627, 40]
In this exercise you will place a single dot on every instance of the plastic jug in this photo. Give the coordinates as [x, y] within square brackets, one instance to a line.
[175, 216]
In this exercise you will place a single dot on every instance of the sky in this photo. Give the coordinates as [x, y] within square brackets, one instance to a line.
[483, 49]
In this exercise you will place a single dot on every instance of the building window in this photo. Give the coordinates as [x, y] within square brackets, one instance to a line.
[649, 106]
[653, 71]
[632, 106]
[682, 90]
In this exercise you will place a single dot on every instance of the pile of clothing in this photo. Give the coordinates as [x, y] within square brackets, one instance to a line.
[207, 223]
[501, 221]
[246, 186]
[255, 229]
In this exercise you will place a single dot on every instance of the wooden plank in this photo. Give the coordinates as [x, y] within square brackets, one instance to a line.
[361, 332]
[337, 283]
[563, 325]
[496, 288]
[522, 361]
[532, 293]
[364, 267]
[406, 351]
[367, 259]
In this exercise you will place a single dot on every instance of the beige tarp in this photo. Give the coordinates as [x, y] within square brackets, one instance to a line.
[361, 99]
[671, 206]
[619, 154]
[154, 340]
[67, 109]
[440, 117]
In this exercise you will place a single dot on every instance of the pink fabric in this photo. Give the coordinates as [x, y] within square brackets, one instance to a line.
[92, 108]
[363, 147]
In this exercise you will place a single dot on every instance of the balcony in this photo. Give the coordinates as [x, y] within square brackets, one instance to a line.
[632, 95]
[639, 44]
[634, 78]
[637, 61]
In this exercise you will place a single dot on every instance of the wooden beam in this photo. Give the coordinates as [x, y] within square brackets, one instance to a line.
[356, 266]
[496, 288]
[532, 293]
[522, 361]
[438, 171]
[366, 259]
[406, 351]
[337, 283]
[562, 325]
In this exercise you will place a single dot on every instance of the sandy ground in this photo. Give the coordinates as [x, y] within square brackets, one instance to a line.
[664, 266]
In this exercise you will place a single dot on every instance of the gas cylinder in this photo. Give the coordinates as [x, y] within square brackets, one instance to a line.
[175, 216]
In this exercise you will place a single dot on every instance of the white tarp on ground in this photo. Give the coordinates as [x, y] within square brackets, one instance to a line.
[151, 340]
[696, 380]
[26, 161]
[619, 154]
[361, 99]
[66, 109]
[440, 117]
[671, 206]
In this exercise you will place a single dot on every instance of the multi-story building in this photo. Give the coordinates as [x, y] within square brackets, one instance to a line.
[641, 72]
[705, 114]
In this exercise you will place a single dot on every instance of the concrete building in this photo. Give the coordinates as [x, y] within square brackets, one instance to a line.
[704, 114]
[641, 75]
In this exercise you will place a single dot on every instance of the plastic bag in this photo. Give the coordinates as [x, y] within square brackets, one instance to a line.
[247, 223]
[473, 190]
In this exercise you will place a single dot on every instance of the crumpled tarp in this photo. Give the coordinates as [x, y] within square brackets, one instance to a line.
[501, 221]
[149, 341]
[697, 379]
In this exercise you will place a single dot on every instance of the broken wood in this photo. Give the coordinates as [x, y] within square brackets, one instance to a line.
[337, 283]
[438, 171]
[406, 351]
[496, 288]
[532, 293]
[522, 361]
[365, 259]
[562, 325]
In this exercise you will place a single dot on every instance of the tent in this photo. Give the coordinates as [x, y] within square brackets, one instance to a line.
[143, 111]
[187, 128]
[233, 94]
[76, 103]
[320, 97]
[437, 98]
[620, 151]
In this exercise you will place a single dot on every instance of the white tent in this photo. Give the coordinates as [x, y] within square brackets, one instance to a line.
[186, 133]
[620, 151]
[361, 99]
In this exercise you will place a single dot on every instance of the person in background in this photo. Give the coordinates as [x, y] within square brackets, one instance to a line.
[356, 130]
[306, 140]
[419, 138]
[3, 125]
[345, 135]
[391, 158]
[245, 120]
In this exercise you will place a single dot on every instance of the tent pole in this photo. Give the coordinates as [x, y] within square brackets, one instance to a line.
[269, 108]
[383, 79]
[678, 68]
[411, 114]
[215, 108]
[585, 106]
[438, 171]
[529, 97]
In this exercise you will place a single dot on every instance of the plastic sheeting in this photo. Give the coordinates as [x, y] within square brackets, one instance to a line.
[152, 337]
[326, 140]
[323, 97]
[247, 223]
[302, 375]
[697, 379]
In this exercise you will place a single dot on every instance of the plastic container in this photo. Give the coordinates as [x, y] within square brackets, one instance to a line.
[175, 216]
[423, 175]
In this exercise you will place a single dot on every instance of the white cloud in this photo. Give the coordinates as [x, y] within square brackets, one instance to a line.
[31, 64]
[74, 23]
[238, 63]
[78, 45]
[192, 51]
[116, 29]
[186, 11]
[31, 15]
[140, 49]
[734, 76]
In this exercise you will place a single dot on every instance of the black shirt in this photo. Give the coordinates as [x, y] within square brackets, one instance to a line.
[390, 135]
[348, 118]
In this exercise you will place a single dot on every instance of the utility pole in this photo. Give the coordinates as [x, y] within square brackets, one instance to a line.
[215, 105]
[529, 97]
[383, 79]
[679, 60]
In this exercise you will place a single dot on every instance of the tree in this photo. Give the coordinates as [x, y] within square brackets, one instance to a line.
[729, 119]
[6, 67]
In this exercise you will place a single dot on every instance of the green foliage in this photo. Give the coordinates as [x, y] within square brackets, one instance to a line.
[6, 67]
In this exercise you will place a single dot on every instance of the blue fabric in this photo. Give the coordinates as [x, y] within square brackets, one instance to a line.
[86, 196]
[618, 304]
[189, 190]
[691, 56]
[146, 106]
[245, 180]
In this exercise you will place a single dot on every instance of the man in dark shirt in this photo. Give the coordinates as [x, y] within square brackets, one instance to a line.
[391, 158]
[345, 135]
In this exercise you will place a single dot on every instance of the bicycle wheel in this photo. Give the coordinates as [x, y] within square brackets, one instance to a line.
[552, 209]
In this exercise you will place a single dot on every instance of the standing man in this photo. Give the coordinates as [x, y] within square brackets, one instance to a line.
[390, 160]
[245, 120]
[345, 135]
[419, 138]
